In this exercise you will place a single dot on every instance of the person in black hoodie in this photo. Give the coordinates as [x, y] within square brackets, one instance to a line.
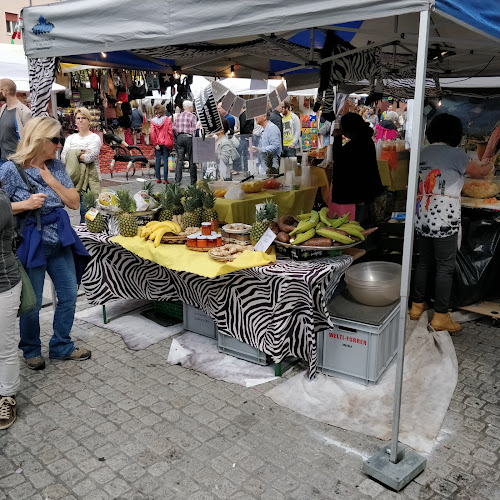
[356, 179]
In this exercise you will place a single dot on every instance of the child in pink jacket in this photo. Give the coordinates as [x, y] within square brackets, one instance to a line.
[162, 137]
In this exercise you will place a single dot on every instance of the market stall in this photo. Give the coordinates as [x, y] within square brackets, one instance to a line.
[472, 48]
[278, 309]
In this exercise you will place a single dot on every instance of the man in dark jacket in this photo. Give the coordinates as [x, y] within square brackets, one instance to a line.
[276, 117]
[246, 131]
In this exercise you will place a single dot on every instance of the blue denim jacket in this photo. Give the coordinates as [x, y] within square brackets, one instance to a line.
[30, 251]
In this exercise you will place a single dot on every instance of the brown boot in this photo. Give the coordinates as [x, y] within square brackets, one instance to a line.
[442, 321]
[417, 308]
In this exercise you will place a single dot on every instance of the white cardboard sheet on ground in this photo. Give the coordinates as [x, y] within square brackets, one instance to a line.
[200, 353]
[137, 331]
[430, 377]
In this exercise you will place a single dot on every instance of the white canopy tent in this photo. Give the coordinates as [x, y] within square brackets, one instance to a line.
[463, 37]
[14, 65]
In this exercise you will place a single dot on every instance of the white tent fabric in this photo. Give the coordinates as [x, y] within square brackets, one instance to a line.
[14, 65]
[76, 27]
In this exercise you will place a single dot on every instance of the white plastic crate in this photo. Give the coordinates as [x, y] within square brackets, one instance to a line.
[238, 349]
[195, 320]
[357, 351]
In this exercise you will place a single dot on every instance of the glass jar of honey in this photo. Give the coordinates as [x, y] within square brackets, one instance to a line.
[219, 240]
[215, 225]
[191, 240]
[206, 228]
[201, 241]
[212, 241]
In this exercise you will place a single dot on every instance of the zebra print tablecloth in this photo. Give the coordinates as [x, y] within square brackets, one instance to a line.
[277, 309]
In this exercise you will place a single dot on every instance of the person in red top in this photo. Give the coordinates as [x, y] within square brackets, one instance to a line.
[162, 136]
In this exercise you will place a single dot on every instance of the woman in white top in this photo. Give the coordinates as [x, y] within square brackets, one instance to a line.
[84, 140]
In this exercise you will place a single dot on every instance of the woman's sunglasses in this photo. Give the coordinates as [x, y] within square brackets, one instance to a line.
[55, 140]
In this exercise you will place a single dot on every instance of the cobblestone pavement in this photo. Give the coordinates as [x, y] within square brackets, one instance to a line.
[125, 425]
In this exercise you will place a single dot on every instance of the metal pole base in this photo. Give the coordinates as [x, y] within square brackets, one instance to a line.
[394, 475]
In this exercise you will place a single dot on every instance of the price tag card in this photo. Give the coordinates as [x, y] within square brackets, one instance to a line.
[274, 99]
[228, 100]
[237, 106]
[256, 107]
[265, 242]
[218, 90]
[282, 93]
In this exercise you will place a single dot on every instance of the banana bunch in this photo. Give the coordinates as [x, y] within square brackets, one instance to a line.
[155, 230]
[316, 229]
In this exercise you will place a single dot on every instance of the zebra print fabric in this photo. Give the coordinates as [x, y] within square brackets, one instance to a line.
[277, 309]
[42, 71]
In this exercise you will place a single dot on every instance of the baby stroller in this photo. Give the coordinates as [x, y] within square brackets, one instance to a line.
[128, 154]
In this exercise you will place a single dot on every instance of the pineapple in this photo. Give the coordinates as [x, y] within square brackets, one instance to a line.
[176, 194]
[190, 217]
[196, 194]
[271, 170]
[127, 222]
[166, 210]
[209, 211]
[89, 200]
[263, 218]
[148, 187]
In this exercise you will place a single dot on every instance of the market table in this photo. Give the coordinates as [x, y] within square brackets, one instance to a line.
[277, 308]
[289, 202]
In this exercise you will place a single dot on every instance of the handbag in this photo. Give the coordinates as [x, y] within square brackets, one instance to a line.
[86, 94]
[28, 296]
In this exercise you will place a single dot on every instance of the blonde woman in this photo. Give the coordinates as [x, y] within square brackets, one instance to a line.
[85, 140]
[39, 188]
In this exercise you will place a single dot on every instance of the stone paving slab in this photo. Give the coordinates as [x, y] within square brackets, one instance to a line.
[125, 425]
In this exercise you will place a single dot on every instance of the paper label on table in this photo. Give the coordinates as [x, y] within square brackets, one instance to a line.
[274, 99]
[256, 107]
[281, 90]
[228, 100]
[91, 214]
[204, 149]
[237, 106]
[265, 242]
[218, 90]
[206, 108]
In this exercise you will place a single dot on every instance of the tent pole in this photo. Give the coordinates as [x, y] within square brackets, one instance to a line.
[416, 141]
[401, 467]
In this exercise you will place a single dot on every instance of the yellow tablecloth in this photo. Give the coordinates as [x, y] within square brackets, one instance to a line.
[179, 258]
[289, 202]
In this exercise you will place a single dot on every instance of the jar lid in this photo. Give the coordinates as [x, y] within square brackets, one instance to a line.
[215, 233]
[201, 237]
[212, 237]
[192, 237]
[206, 223]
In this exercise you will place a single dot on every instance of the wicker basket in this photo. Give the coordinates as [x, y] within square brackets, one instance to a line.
[199, 249]
[172, 238]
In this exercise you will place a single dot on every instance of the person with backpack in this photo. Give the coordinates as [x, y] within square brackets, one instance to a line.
[39, 188]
